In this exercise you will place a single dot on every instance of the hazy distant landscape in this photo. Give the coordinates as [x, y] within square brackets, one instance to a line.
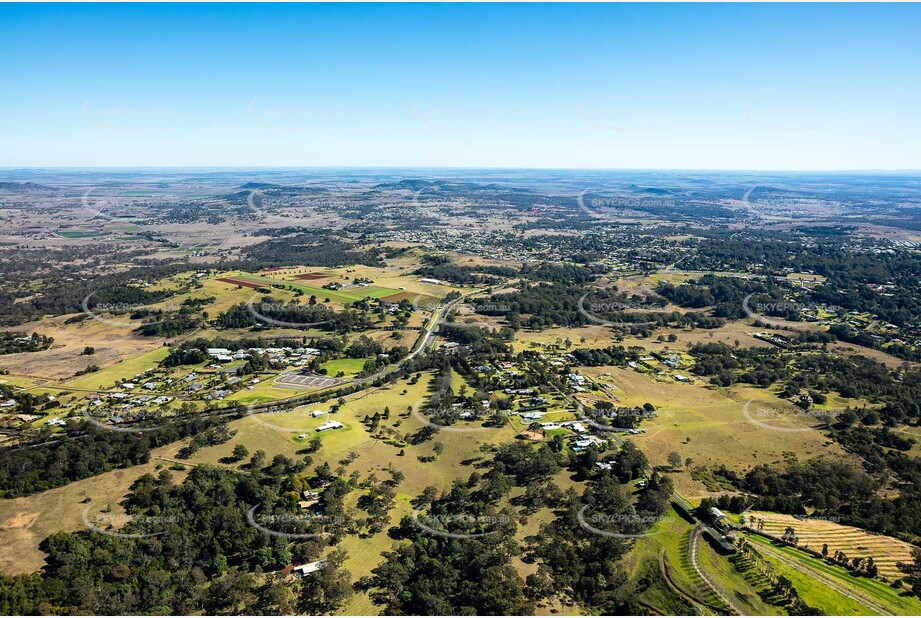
[624, 392]
[460, 309]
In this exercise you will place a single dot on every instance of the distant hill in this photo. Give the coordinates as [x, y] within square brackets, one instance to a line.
[23, 187]
[260, 185]
[445, 186]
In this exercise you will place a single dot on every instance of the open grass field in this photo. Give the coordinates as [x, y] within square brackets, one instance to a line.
[851, 349]
[603, 336]
[594, 336]
[390, 338]
[342, 295]
[348, 366]
[856, 543]
[80, 233]
[19, 381]
[266, 390]
[728, 334]
[124, 370]
[113, 344]
[709, 426]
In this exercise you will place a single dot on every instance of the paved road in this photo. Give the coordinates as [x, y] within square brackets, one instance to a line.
[422, 342]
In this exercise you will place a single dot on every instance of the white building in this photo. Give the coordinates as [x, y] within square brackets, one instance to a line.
[311, 567]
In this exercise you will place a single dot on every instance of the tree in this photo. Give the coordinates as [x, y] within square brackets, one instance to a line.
[912, 571]
[240, 452]
[674, 459]
[276, 599]
[871, 568]
[89, 350]
[257, 461]
[396, 477]
[314, 444]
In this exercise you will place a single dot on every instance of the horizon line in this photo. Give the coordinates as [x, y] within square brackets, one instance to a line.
[447, 167]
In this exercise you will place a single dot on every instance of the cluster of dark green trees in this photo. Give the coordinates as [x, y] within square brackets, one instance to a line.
[27, 470]
[14, 343]
[188, 548]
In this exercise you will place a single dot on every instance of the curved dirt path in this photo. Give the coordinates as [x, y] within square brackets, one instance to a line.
[693, 543]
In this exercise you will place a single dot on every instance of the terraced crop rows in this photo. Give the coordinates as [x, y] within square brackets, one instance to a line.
[854, 542]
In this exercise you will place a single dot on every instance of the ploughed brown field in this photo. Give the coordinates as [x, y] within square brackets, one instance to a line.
[248, 284]
[311, 276]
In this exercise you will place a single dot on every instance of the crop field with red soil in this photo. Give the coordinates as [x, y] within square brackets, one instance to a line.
[311, 276]
[247, 284]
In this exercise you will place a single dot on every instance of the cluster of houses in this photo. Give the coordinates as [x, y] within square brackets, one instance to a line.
[297, 357]
[576, 382]
[137, 395]
[673, 361]
[130, 401]
[621, 251]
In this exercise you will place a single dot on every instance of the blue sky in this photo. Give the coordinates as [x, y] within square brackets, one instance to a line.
[789, 87]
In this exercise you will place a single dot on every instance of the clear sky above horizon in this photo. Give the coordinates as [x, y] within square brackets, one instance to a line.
[780, 87]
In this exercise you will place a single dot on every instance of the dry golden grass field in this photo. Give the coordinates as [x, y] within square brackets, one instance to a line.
[709, 425]
[113, 344]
